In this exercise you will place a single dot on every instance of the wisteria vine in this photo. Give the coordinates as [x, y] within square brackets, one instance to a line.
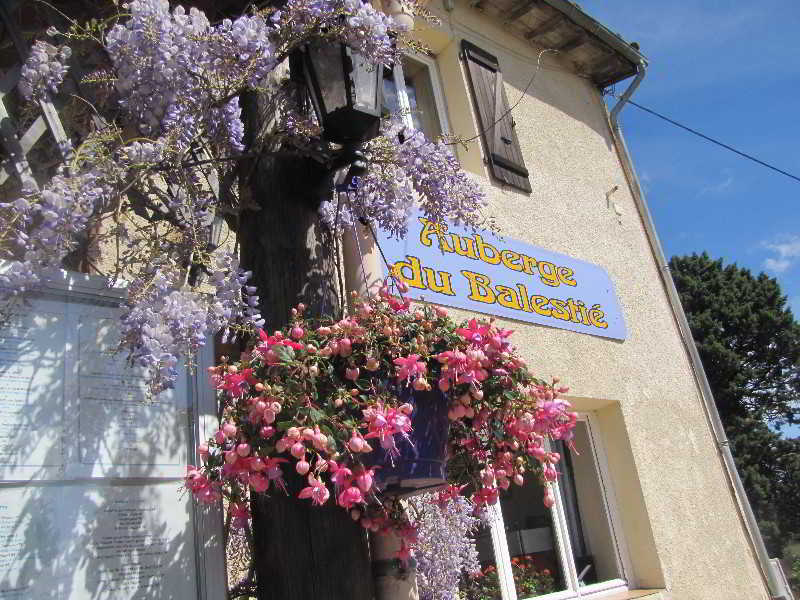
[134, 186]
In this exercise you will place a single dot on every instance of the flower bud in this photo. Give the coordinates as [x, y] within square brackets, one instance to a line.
[243, 450]
[356, 444]
[298, 450]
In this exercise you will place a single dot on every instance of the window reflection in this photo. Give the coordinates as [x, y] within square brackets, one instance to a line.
[531, 541]
[486, 584]
[416, 99]
[534, 551]
[593, 544]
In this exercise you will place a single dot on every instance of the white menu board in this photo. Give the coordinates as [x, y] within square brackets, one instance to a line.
[91, 466]
[92, 540]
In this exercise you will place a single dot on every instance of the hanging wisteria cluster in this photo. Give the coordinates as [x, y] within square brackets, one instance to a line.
[446, 523]
[408, 168]
[44, 70]
[136, 187]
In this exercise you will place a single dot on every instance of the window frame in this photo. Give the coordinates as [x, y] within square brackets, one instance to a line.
[440, 105]
[561, 535]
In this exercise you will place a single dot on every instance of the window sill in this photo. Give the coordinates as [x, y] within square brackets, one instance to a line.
[653, 594]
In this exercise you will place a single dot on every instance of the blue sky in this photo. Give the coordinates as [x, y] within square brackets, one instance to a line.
[732, 71]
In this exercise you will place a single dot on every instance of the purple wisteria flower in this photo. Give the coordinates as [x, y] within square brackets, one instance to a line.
[44, 70]
[446, 549]
[405, 168]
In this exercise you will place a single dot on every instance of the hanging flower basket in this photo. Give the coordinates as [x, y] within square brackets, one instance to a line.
[422, 461]
[379, 404]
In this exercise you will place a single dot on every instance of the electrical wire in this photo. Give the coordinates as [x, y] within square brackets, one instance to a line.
[712, 140]
[521, 96]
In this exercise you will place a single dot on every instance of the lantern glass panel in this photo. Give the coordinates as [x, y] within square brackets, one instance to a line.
[366, 76]
[326, 61]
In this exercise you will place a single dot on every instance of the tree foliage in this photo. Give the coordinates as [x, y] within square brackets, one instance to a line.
[746, 335]
[749, 342]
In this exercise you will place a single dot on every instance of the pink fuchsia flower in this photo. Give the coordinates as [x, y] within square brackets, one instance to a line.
[349, 497]
[342, 477]
[396, 304]
[364, 479]
[352, 374]
[240, 514]
[203, 489]
[409, 367]
[549, 500]
[316, 490]
[474, 333]
[384, 423]
[447, 494]
[259, 482]
[486, 496]
[236, 383]
[358, 444]
[274, 472]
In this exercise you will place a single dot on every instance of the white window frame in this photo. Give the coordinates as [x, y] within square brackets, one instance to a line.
[561, 535]
[436, 86]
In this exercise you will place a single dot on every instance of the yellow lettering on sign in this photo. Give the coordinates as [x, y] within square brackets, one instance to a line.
[443, 287]
[479, 287]
[409, 271]
[461, 250]
[493, 258]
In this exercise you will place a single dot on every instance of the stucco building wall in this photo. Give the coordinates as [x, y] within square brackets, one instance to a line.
[681, 524]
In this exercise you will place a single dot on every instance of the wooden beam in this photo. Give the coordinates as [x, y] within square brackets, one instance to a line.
[519, 9]
[545, 27]
[572, 43]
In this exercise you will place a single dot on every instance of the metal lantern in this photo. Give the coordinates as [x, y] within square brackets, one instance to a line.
[345, 89]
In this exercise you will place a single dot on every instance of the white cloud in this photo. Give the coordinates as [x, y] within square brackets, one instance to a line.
[787, 250]
[778, 265]
[719, 188]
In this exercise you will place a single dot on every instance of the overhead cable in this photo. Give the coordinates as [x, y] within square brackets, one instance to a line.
[713, 141]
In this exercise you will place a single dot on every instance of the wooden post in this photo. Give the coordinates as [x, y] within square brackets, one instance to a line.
[301, 552]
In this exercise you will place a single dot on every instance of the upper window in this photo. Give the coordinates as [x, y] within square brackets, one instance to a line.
[570, 551]
[412, 91]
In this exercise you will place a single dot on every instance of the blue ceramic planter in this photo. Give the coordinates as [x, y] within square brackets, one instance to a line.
[422, 463]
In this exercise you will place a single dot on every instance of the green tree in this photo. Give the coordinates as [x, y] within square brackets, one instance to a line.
[749, 343]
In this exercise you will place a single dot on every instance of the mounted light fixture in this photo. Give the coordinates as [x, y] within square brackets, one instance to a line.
[345, 89]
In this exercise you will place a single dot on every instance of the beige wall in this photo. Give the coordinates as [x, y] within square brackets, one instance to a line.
[678, 514]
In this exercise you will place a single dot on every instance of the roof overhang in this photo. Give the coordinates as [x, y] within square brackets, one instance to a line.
[596, 52]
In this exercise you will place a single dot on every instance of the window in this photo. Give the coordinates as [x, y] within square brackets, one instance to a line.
[570, 551]
[412, 90]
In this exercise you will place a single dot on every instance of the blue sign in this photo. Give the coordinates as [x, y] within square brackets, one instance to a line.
[480, 272]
